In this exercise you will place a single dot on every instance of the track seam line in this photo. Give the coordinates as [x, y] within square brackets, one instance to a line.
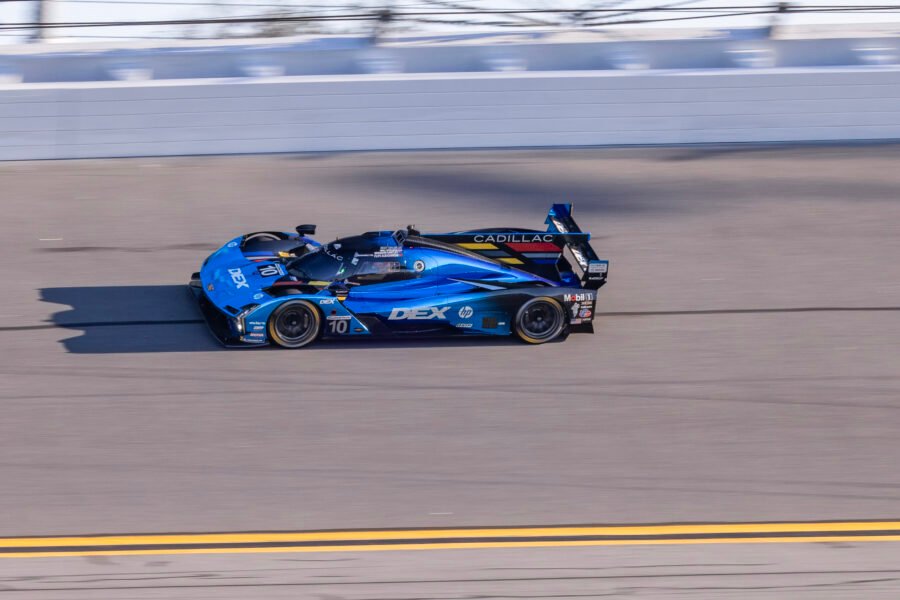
[650, 313]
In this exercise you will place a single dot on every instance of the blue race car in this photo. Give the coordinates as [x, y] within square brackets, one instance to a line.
[290, 290]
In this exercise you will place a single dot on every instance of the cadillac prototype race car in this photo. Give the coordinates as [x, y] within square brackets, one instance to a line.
[288, 289]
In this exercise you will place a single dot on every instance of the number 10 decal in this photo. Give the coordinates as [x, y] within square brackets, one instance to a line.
[339, 326]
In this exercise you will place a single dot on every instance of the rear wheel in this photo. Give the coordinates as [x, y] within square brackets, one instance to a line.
[540, 320]
[295, 324]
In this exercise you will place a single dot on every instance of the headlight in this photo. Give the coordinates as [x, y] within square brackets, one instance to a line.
[238, 319]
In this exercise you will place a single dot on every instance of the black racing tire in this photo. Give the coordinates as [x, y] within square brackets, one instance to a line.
[295, 324]
[540, 320]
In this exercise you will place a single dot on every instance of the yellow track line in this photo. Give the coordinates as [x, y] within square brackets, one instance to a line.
[316, 536]
[723, 533]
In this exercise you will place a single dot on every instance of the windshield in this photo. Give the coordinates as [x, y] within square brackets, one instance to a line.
[325, 265]
[373, 255]
[318, 266]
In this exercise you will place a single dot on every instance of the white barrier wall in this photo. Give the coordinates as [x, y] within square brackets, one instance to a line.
[52, 63]
[445, 110]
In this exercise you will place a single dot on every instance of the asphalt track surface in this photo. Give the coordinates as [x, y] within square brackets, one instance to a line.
[746, 368]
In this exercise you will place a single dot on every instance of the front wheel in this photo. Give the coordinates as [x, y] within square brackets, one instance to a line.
[540, 320]
[295, 324]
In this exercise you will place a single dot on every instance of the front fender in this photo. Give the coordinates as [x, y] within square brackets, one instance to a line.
[337, 320]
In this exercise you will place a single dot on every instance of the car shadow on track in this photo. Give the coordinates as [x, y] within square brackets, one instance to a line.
[136, 318]
[165, 318]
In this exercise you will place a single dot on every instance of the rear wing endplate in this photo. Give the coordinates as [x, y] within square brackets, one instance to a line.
[594, 270]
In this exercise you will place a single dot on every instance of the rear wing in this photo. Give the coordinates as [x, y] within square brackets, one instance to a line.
[593, 270]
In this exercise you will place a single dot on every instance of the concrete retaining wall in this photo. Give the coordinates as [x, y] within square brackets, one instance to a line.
[447, 110]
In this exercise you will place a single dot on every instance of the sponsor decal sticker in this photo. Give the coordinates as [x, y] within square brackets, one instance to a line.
[232, 244]
[579, 255]
[582, 297]
[598, 267]
[419, 314]
[464, 325]
[465, 312]
[516, 238]
[237, 277]
[388, 252]
[326, 301]
[334, 255]
[258, 296]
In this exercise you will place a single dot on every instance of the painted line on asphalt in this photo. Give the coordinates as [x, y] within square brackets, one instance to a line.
[650, 313]
[429, 539]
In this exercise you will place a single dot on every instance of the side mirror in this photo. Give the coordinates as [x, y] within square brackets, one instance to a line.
[306, 229]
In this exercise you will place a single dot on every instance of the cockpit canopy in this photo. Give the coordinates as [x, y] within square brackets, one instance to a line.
[376, 255]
